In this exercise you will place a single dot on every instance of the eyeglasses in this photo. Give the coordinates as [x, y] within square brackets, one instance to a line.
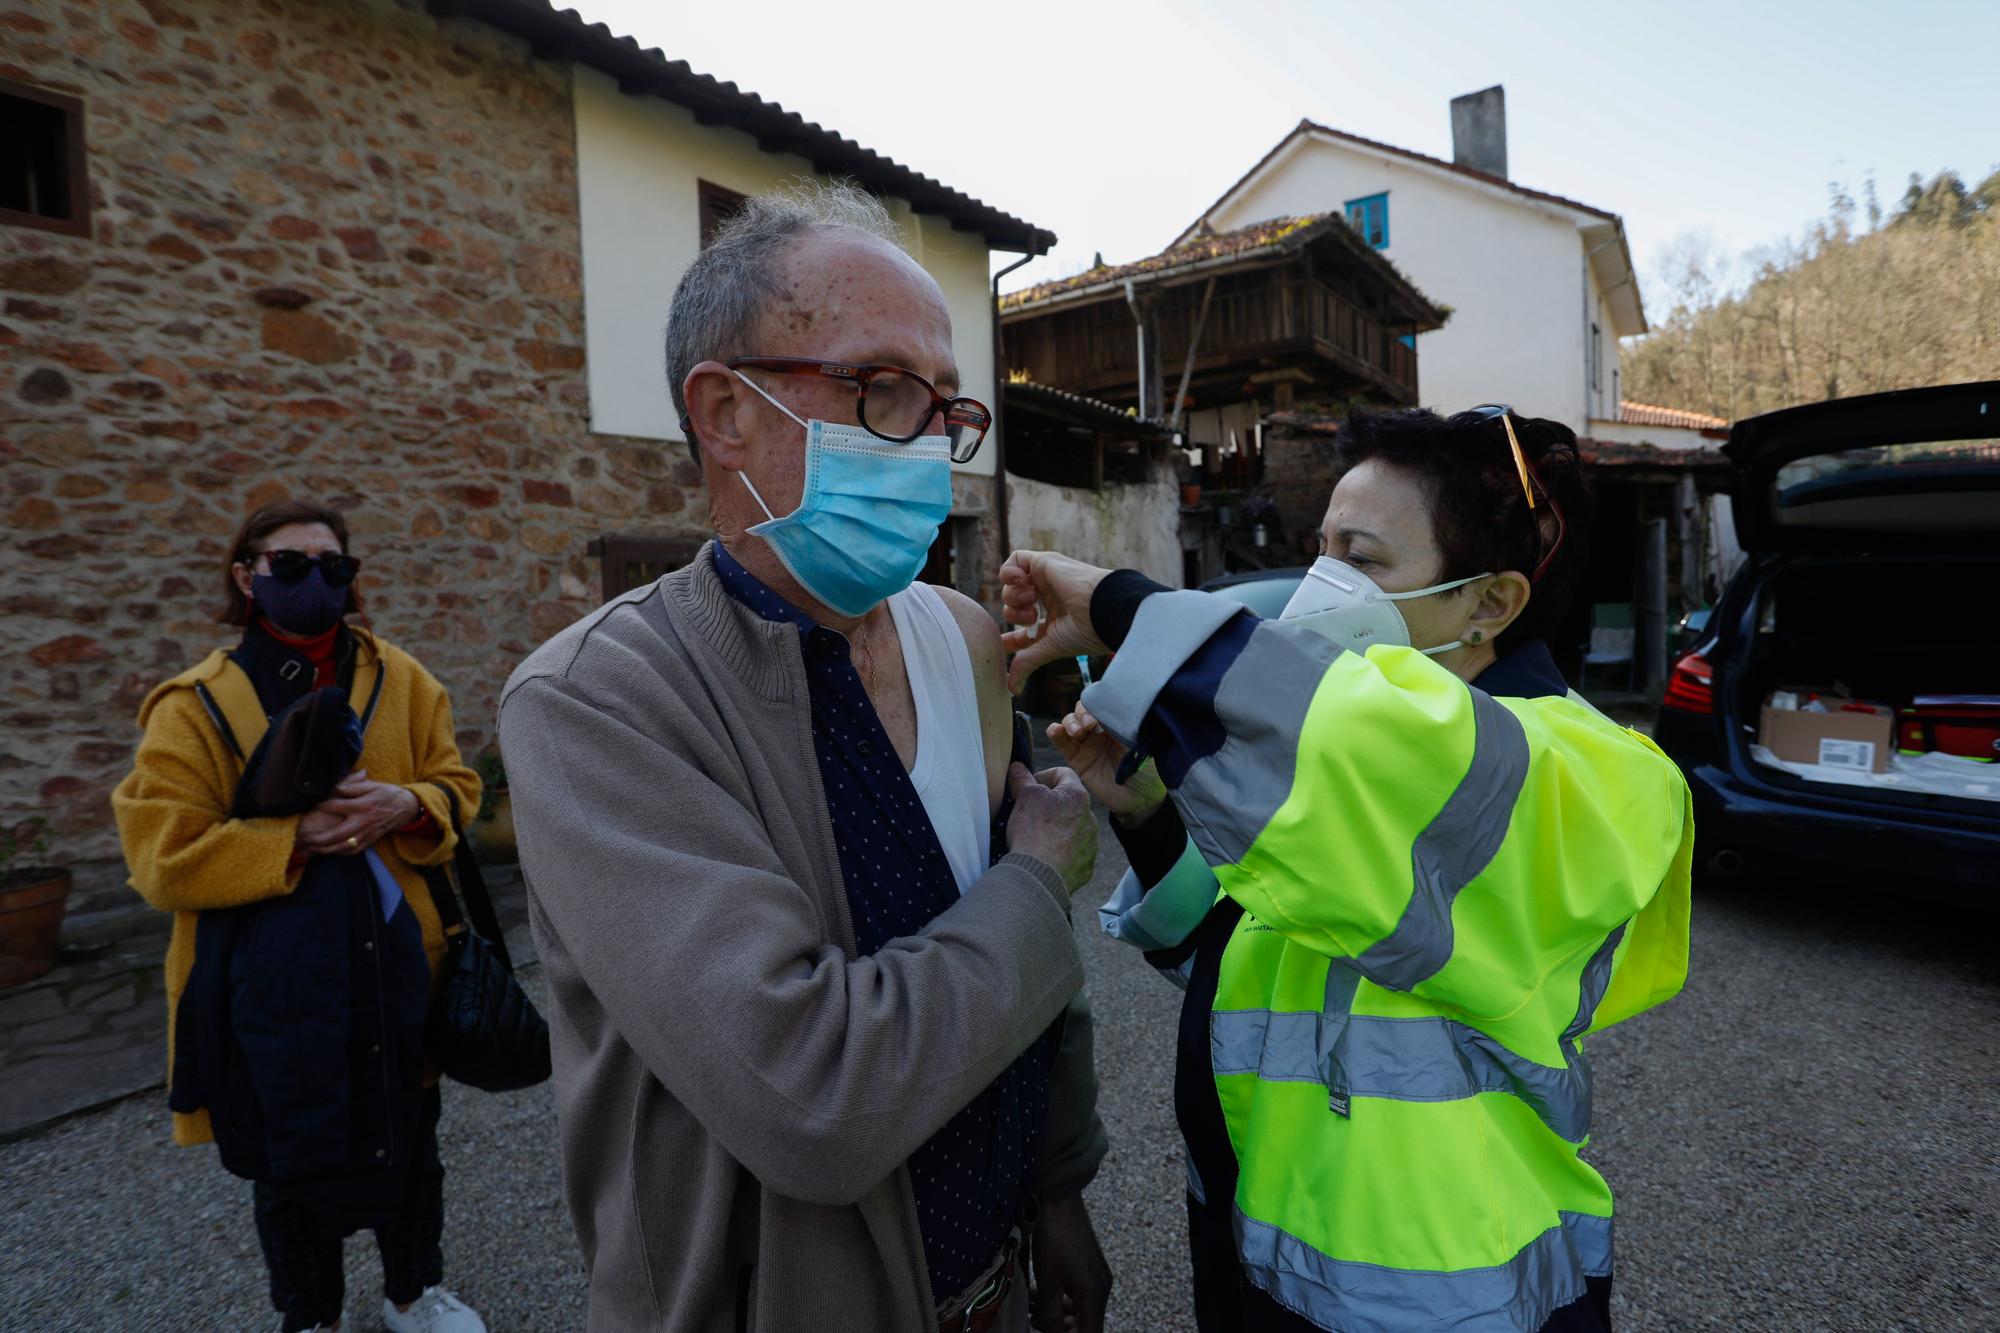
[891, 403]
[1488, 411]
[290, 567]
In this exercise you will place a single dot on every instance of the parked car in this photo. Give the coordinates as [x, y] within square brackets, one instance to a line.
[1871, 528]
[1264, 591]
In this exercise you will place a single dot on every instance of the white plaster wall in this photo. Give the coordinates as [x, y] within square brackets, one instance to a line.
[638, 161]
[1136, 526]
[1511, 271]
[1663, 437]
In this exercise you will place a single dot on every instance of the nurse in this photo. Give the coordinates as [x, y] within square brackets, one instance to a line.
[1403, 871]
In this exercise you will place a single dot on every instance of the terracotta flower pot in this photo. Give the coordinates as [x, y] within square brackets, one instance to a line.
[493, 836]
[31, 913]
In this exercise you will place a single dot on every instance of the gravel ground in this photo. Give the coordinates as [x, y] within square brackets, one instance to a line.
[1808, 1139]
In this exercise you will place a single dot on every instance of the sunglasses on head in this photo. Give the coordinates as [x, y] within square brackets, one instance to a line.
[291, 566]
[1531, 481]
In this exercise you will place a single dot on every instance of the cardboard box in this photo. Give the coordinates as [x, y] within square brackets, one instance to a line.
[1855, 735]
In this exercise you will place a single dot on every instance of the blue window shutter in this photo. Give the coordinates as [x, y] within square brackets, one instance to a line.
[1369, 216]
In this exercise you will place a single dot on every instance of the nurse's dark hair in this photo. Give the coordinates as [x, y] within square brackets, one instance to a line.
[1479, 515]
[248, 544]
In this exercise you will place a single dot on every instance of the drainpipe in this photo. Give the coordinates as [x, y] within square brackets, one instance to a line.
[1000, 403]
[1139, 321]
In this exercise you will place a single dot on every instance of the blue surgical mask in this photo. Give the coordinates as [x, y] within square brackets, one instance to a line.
[870, 511]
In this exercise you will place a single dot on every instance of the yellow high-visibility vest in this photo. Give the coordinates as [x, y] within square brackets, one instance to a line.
[1444, 894]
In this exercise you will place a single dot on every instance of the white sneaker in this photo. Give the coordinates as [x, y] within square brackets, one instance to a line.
[436, 1311]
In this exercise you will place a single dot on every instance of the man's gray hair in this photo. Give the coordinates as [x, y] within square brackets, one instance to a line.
[740, 273]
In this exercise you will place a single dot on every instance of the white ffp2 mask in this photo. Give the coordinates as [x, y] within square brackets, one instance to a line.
[1338, 602]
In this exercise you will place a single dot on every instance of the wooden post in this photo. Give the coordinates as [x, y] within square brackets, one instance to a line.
[1159, 363]
[1688, 515]
[1187, 366]
[1650, 612]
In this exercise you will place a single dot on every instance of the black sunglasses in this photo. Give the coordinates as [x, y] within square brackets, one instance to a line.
[290, 566]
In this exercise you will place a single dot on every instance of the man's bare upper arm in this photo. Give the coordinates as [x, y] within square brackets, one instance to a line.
[989, 678]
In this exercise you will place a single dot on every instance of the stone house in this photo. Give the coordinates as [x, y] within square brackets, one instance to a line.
[410, 258]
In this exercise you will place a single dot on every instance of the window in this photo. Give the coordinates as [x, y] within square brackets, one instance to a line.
[1370, 217]
[42, 180]
[717, 207]
[635, 559]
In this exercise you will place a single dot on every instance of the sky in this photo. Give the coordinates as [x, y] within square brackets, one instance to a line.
[1114, 123]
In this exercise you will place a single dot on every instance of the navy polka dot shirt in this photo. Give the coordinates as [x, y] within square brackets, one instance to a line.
[971, 1176]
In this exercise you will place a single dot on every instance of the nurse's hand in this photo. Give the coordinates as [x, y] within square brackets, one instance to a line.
[1054, 589]
[1094, 755]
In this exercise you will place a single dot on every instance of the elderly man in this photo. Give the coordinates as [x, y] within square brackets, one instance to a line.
[821, 1057]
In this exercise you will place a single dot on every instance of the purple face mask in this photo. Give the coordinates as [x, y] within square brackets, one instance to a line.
[306, 608]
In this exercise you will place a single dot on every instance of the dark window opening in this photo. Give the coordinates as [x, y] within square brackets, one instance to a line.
[717, 207]
[635, 559]
[42, 160]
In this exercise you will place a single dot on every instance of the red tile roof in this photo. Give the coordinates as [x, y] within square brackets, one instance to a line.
[1617, 453]
[1644, 414]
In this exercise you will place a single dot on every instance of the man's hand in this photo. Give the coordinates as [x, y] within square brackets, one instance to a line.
[1034, 584]
[1072, 1281]
[361, 810]
[1052, 822]
[1095, 756]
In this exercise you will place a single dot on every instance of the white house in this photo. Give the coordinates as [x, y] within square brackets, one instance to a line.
[663, 154]
[1540, 287]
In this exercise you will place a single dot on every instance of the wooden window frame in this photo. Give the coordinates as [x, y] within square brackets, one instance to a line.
[715, 205]
[618, 551]
[77, 153]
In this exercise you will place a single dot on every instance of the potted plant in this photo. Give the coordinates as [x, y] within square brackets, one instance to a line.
[32, 897]
[493, 827]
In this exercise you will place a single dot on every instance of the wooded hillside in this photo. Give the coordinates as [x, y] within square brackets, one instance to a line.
[1864, 300]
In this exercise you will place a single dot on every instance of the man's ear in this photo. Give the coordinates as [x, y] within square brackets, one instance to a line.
[714, 398]
[1501, 603]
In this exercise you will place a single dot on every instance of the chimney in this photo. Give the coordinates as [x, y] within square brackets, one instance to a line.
[1479, 131]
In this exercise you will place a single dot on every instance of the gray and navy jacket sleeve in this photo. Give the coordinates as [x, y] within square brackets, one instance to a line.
[1169, 888]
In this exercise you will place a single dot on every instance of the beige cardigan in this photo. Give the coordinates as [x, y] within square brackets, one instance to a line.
[738, 1092]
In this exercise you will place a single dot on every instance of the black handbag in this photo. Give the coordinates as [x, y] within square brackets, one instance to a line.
[484, 1031]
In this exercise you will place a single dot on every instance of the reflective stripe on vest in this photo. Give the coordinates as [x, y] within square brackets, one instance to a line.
[1453, 849]
[1426, 1059]
[1521, 1293]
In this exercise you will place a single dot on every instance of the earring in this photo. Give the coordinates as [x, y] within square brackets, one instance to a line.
[1476, 636]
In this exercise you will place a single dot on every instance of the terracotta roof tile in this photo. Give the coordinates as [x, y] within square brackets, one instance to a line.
[1644, 414]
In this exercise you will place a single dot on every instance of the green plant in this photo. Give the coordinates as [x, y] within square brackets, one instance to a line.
[28, 838]
[492, 781]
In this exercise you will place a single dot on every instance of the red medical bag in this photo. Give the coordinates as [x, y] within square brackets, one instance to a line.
[1969, 730]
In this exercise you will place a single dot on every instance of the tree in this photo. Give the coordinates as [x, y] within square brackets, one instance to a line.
[1853, 304]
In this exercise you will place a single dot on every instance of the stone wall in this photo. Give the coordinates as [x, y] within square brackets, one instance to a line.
[336, 255]
[1133, 526]
[1298, 476]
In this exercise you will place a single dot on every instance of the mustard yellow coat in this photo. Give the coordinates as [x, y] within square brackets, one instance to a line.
[186, 855]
